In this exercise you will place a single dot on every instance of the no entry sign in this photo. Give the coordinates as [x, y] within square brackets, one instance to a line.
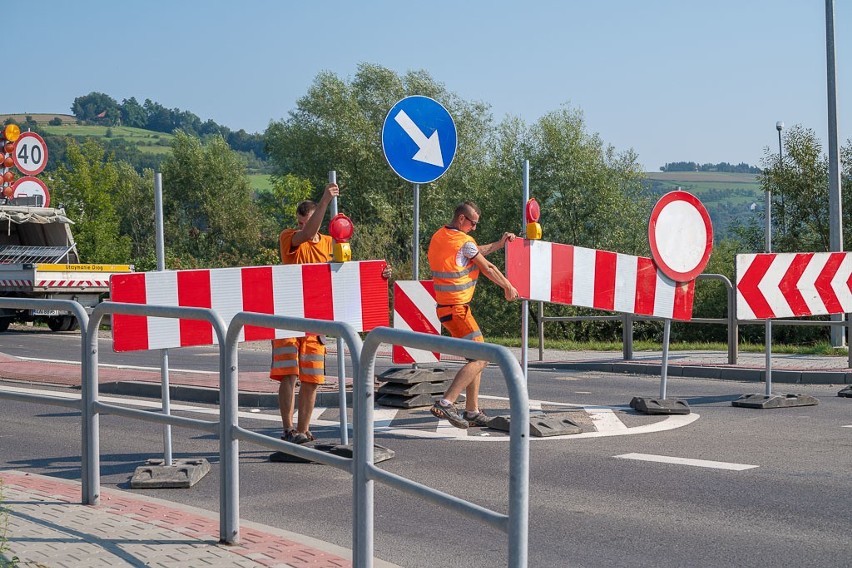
[681, 236]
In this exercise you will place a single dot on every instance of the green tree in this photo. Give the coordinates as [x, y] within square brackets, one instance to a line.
[97, 107]
[134, 201]
[86, 184]
[132, 113]
[211, 219]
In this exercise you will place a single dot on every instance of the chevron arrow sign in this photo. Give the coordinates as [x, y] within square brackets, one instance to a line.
[793, 284]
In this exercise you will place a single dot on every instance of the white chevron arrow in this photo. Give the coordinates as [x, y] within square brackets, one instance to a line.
[430, 148]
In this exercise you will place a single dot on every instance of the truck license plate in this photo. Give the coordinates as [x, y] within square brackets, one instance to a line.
[49, 313]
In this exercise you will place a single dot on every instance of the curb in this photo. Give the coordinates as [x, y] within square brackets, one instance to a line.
[705, 372]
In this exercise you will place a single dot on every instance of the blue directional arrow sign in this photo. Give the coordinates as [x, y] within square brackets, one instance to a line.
[419, 139]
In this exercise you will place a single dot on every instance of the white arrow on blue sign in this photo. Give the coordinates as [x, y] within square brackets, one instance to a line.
[419, 139]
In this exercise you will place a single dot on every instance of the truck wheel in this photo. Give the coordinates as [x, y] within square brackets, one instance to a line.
[62, 323]
[4, 324]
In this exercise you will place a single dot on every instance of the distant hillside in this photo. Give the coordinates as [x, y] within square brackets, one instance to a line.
[138, 146]
[728, 197]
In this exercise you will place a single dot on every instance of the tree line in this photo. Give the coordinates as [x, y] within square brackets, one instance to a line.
[100, 108]
[591, 195]
[741, 168]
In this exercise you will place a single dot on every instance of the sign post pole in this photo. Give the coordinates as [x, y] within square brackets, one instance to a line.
[341, 358]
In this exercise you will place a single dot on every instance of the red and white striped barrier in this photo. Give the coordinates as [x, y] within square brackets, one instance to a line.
[771, 285]
[72, 283]
[414, 310]
[576, 276]
[17, 283]
[350, 292]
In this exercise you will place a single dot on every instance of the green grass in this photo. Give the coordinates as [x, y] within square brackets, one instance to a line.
[817, 349]
[260, 182]
[146, 140]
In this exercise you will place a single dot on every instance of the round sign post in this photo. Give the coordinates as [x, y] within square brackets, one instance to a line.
[681, 238]
[31, 187]
[30, 154]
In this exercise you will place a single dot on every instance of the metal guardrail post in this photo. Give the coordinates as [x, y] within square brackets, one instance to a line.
[85, 385]
[541, 331]
[91, 455]
[516, 523]
[230, 431]
[733, 324]
[627, 337]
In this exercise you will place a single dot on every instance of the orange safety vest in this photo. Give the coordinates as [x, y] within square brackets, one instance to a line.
[454, 283]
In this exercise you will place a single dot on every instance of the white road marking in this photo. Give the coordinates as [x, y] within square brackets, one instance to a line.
[688, 461]
[850, 426]
[109, 366]
[605, 419]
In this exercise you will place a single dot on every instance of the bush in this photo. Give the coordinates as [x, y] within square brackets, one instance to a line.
[55, 121]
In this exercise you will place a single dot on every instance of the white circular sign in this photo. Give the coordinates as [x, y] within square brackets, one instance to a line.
[30, 154]
[30, 187]
[681, 236]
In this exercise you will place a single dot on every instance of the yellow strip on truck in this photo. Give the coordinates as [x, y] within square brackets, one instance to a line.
[84, 267]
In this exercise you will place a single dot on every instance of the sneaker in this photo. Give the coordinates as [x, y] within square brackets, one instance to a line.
[478, 420]
[450, 414]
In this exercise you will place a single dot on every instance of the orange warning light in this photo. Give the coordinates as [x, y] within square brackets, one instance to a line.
[8, 177]
[12, 132]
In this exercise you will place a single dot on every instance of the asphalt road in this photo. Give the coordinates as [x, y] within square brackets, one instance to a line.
[776, 492]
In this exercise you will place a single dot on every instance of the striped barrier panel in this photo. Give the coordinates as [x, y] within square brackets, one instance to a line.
[350, 292]
[414, 310]
[577, 276]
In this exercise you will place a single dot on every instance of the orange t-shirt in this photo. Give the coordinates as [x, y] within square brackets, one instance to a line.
[305, 253]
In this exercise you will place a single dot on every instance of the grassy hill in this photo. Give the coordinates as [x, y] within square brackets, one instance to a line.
[728, 197]
[145, 141]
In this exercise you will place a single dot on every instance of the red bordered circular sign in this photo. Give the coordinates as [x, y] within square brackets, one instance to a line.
[29, 187]
[30, 154]
[681, 236]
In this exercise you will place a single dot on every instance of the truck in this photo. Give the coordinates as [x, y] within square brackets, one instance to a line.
[38, 259]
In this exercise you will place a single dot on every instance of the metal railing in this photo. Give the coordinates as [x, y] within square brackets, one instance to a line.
[733, 324]
[515, 523]
[360, 466]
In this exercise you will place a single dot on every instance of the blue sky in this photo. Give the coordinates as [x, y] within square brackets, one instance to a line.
[675, 81]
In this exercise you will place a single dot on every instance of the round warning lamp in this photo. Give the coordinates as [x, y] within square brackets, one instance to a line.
[533, 211]
[12, 132]
[341, 228]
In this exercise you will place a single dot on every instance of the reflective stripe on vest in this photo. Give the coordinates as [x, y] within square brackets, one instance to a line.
[454, 284]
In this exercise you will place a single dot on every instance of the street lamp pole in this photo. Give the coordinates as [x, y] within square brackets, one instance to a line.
[835, 219]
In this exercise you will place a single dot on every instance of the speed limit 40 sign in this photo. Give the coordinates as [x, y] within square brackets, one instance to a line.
[30, 154]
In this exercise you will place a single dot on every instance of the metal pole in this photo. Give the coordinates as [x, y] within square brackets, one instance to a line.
[164, 353]
[664, 371]
[541, 331]
[341, 358]
[779, 126]
[835, 218]
[525, 315]
[415, 244]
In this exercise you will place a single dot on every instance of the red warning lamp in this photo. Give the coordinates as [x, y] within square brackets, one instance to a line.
[8, 162]
[8, 191]
[9, 147]
[533, 213]
[8, 177]
[341, 230]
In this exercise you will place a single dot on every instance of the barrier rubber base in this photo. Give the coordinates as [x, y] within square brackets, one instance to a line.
[847, 392]
[659, 405]
[380, 453]
[181, 474]
[541, 425]
[765, 402]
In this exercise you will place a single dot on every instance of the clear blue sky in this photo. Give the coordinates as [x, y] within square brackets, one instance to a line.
[675, 81]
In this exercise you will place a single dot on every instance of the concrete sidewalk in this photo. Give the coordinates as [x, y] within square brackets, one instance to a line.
[47, 526]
